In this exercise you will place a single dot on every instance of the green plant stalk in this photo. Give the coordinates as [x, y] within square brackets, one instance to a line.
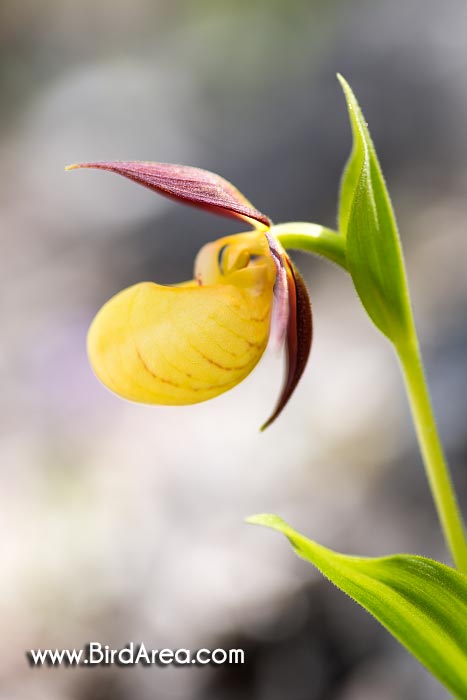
[327, 243]
[436, 467]
[313, 238]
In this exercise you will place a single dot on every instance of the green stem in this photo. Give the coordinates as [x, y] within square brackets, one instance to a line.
[312, 238]
[327, 243]
[432, 452]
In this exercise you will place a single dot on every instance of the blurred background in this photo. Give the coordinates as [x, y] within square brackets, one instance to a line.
[121, 522]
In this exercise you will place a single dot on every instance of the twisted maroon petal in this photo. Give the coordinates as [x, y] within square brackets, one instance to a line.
[297, 321]
[281, 293]
[198, 187]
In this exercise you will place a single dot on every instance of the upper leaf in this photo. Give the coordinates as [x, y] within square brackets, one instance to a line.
[192, 185]
[348, 185]
[366, 218]
[421, 602]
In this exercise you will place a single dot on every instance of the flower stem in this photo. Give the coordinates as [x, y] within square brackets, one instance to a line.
[327, 243]
[437, 470]
[312, 238]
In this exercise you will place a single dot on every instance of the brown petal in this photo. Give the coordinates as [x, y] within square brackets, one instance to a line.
[299, 334]
[281, 293]
[192, 185]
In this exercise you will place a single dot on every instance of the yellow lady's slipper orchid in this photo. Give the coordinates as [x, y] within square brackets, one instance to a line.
[187, 343]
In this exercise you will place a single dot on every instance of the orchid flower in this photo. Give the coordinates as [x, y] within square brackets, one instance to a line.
[190, 342]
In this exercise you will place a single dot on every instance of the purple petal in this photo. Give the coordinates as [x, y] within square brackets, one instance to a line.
[192, 185]
[281, 294]
[299, 334]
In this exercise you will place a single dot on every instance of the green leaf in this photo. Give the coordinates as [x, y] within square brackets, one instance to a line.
[366, 218]
[421, 602]
[348, 184]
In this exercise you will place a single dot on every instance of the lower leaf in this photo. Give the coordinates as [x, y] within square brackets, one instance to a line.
[421, 602]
